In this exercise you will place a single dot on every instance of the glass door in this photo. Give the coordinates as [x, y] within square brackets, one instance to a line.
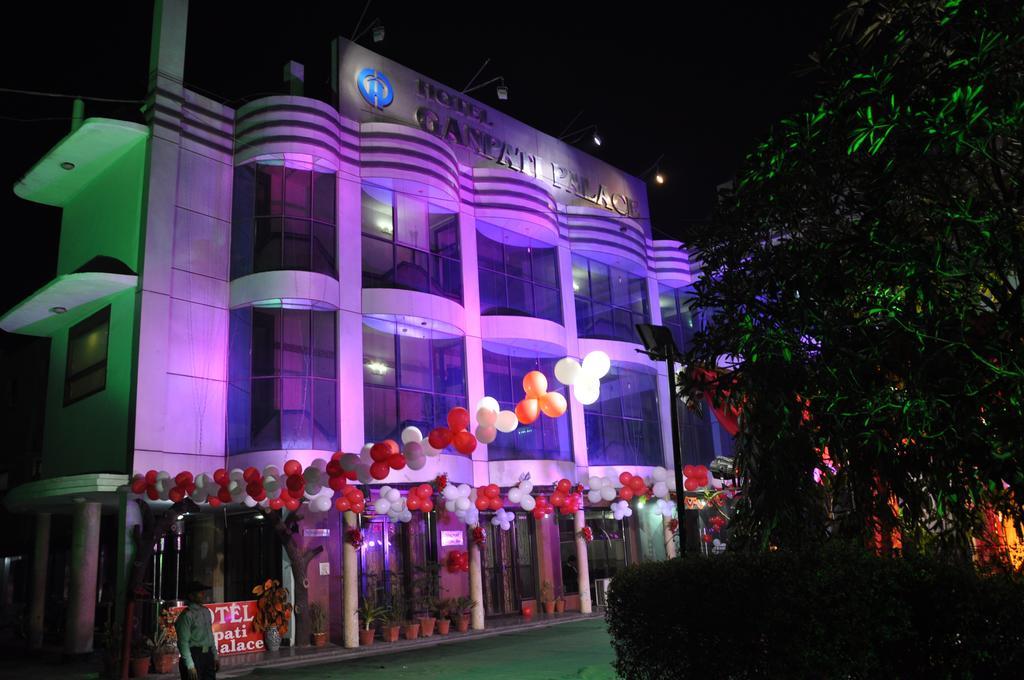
[508, 566]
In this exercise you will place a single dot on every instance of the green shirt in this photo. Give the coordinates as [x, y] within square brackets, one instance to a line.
[195, 629]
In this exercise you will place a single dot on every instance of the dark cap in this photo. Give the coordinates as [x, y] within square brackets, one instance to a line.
[195, 587]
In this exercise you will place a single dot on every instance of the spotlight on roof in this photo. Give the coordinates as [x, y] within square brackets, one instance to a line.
[378, 34]
[596, 138]
[502, 92]
[659, 178]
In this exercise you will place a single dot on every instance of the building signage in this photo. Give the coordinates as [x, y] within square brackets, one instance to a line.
[375, 88]
[232, 627]
[451, 538]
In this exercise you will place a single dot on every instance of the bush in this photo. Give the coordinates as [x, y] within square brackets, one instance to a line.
[835, 613]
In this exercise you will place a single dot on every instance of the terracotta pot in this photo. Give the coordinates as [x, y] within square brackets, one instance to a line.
[527, 611]
[412, 631]
[549, 607]
[164, 662]
[366, 637]
[427, 625]
[560, 606]
[391, 633]
[443, 625]
[462, 623]
[319, 639]
[140, 667]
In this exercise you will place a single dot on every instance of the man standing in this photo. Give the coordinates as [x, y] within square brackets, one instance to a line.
[194, 626]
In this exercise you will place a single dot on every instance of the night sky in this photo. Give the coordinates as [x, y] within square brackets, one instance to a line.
[698, 84]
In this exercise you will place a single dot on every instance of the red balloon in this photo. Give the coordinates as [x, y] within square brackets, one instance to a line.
[358, 506]
[380, 451]
[251, 474]
[334, 469]
[152, 493]
[465, 442]
[535, 385]
[482, 502]
[293, 467]
[292, 504]
[624, 477]
[295, 482]
[182, 478]
[151, 476]
[413, 502]
[224, 495]
[553, 405]
[636, 483]
[626, 493]
[215, 502]
[393, 445]
[557, 499]
[191, 488]
[492, 490]
[220, 475]
[396, 461]
[354, 495]
[336, 483]
[426, 505]
[175, 495]
[527, 410]
[564, 485]
[379, 470]
[260, 496]
[351, 475]
[342, 505]
[527, 611]
[276, 503]
[691, 484]
[425, 490]
[458, 419]
[538, 512]
[139, 484]
[495, 503]
[689, 471]
[707, 538]
[440, 437]
[337, 455]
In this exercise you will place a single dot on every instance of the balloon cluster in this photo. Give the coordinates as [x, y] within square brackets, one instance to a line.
[663, 483]
[352, 500]
[585, 378]
[386, 457]
[487, 410]
[157, 485]
[337, 476]
[601, 489]
[632, 485]
[538, 400]
[415, 451]
[666, 508]
[543, 508]
[222, 480]
[587, 534]
[488, 497]
[479, 536]
[458, 560]
[565, 499]
[696, 476]
[456, 433]
[457, 500]
[520, 493]
[420, 498]
[621, 509]
[392, 503]
[503, 518]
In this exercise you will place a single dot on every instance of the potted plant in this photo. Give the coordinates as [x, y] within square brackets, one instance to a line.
[273, 612]
[527, 609]
[394, 617]
[442, 607]
[165, 650]
[140, 657]
[559, 605]
[547, 597]
[461, 607]
[318, 621]
[427, 589]
[369, 614]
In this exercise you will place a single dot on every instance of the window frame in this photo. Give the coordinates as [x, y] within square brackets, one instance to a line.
[84, 327]
[530, 281]
[603, 311]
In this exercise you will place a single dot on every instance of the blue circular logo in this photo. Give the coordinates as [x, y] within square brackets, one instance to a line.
[375, 88]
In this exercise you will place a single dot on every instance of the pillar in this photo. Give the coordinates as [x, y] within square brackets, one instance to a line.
[85, 552]
[476, 586]
[40, 560]
[350, 580]
[582, 563]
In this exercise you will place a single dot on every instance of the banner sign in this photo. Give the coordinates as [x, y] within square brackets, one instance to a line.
[232, 627]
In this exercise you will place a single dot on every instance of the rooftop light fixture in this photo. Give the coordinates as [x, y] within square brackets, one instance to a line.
[501, 90]
[576, 135]
[659, 177]
[378, 34]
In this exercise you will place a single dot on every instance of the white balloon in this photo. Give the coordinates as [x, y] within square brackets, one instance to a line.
[381, 506]
[505, 526]
[249, 501]
[608, 493]
[322, 504]
[528, 503]
[163, 474]
[271, 484]
[472, 516]
[200, 495]
[597, 364]
[320, 464]
[393, 495]
[449, 505]
[567, 370]
[596, 483]
[363, 473]
[671, 484]
[660, 489]
[311, 475]
[411, 449]
[406, 516]
[507, 421]
[271, 470]
[586, 390]
[237, 473]
[411, 434]
[465, 490]
[526, 486]
[313, 490]
[202, 480]
[416, 462]
[236, 487]
[349, 461]
[515, 494]
[485, 434]
[463, 504]
[495, 520]
[659, 474]
[486, 418]
[364, 454]
[450, 492]
[594, 496]
[488, 403]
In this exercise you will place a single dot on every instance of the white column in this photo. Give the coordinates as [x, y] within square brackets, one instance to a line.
[582, 563]
[350, 580]
[40, 560]
[476, 586]
[85, 551]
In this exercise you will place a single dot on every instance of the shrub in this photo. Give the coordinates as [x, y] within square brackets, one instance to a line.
[838, 612]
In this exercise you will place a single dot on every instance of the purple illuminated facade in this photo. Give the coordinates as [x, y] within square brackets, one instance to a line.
[312, 276]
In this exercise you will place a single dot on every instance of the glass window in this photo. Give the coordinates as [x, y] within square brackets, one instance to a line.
[410, 380]
[410, 243]
[544, 439]
[282, 380]
[676, 315]
[283, 217]
[610, 302]
[518, 280]
[86, 370]
[623, 426]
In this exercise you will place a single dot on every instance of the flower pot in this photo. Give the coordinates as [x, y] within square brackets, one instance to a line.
[164, 662]
[549, 607]
[272, 639]
[391, 633]
[560, 606]
[412, 631]
[443, 625]
[462, 623]
[319, 639]
[140, 667]
[366, 637]
[427, 625]
[527, 611]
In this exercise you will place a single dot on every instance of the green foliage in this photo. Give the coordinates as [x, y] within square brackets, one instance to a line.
[318, 618]
[834, 613]
[370, 613]
[865, 273]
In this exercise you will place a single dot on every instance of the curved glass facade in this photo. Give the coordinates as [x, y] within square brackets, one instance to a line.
[518, 280]
[624, 425]
[609, 301]
[284, 216]
[676, 314]
[282, 380]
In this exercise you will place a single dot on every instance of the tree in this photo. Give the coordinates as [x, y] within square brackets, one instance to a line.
[864, 278]
[286, 528]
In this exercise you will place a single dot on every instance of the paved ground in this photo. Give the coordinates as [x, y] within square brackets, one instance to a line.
[580, 650]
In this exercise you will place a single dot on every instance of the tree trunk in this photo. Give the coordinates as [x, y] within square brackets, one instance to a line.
[286, 529]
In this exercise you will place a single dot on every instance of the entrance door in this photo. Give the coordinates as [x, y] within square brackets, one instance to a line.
[508, 566]
[375, 558]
